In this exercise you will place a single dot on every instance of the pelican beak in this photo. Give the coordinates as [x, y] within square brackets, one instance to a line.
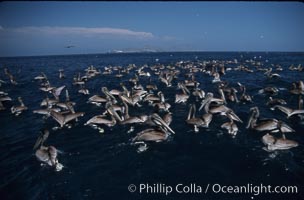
[159, 121]
[114, 114]
[204, 102]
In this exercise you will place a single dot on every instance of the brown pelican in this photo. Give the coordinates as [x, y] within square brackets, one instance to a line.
[216, 76]
[244, 97]
[10, 76]
[41, 139]
[231, 94]
[272, 125]
[208, 100]
[166, 78]
[297, 88]
[151, 97]
[288, 111]
[231, 127]
[63, 119]
[97, 100]
[41, 77]
[182, 98]
[108, 94]
[99, 119]
[197, 92]
[131, 120]
[156, 120]
[151, 87]
[2, 99]
[220, 90]
[84, 90]
[279, 68]
[271, 75]
[231, 115]
[134, 80]
[57, 91]
[2, 82]
[272, 101]
[46, 87]
[115, 92]
[47, 111]
[269, 90]
[198, 122]
[67, 105]
[150, 135]
[49, 102]
[48, 155]
[191, 83]
[162, 105]
[110, 109]
[125, 90]
[17, 110]
[192, 120]
[273, 143]
[61, 74]
[168, 118]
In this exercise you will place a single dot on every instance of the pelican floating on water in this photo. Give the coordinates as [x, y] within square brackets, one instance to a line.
[272, 143]
[48, 155]
[272, 125]
[17, 110]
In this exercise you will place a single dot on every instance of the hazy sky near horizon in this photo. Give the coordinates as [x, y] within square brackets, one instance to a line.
[47, 28]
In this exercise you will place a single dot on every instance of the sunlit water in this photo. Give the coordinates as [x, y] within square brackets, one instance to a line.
[101, 166]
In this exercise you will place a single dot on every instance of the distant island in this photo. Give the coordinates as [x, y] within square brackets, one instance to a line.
[131, 50]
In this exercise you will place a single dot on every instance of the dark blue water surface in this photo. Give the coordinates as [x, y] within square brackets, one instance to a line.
[101, 166]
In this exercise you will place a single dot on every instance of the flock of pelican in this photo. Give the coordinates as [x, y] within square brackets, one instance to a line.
[181, 78]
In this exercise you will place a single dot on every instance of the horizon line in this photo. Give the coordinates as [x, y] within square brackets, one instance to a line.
[153, 52]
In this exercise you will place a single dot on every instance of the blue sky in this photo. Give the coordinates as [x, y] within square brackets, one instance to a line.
[46, 28]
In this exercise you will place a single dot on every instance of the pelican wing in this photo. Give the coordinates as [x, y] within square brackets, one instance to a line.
[57, 91]
[70, 107]
[284, 128]
[295, 112]
[58, 117]
[6, 98]
[72, 116]
[267, 125]
[98, 119]
[97, 98]
[67, 96]
[132, 120]
[285, 110]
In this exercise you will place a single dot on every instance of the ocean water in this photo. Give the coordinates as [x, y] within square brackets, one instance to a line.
[102, 166]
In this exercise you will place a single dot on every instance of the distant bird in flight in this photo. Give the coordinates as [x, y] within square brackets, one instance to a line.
[70, 46]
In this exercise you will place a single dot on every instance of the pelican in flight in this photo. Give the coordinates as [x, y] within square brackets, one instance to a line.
[63, 119]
